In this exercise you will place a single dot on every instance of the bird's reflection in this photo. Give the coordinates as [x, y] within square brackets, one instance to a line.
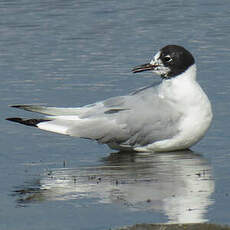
[178, 184]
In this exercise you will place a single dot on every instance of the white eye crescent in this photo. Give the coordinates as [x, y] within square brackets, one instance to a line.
[167, 58]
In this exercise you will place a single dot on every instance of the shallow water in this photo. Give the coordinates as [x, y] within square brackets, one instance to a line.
[68, 53]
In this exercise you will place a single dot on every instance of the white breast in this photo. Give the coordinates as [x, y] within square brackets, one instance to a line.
[186, 95]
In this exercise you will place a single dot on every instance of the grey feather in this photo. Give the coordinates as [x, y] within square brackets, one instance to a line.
[129, 120]
[126, 120]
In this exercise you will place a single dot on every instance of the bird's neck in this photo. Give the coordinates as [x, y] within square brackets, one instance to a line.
[189, 74]
[181, 88]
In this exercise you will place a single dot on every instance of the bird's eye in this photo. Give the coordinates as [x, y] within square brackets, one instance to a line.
[167, 58]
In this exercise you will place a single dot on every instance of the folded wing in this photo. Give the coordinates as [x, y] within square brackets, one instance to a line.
[133, 120]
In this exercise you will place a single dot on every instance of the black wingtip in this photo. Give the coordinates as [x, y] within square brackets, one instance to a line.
[17, 106]
[28, 122]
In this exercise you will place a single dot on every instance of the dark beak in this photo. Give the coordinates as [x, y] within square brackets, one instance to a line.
[144, 67]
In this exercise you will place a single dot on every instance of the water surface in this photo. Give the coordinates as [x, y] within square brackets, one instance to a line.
[71, 53]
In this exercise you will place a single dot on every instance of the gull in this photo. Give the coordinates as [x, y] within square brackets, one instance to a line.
[173, 115]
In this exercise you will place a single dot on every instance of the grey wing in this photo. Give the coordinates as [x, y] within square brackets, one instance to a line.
[149, 121]
[133, 120]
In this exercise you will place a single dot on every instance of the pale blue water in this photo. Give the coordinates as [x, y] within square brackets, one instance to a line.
[71, 53]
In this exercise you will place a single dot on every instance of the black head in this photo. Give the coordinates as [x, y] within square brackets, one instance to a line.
[170, 61]
[177, 58]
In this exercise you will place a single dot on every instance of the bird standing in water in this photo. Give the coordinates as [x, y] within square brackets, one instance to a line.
[172, 115]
